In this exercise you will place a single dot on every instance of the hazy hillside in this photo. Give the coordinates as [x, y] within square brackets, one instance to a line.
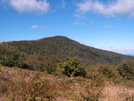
[62, 46]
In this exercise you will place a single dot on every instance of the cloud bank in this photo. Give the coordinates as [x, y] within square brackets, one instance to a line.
[32, 6]
[29, 6]
[119, 7]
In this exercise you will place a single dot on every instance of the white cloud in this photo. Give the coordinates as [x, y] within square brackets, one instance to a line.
[122, 50]
[78, 23]
[63, 4]
[30, 6]
[43, 27]
[119, 7]
[91, 22]
[79, 16]
[36, 26]
[108, 26]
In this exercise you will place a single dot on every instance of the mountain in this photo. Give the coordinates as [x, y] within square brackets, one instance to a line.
[62, 47]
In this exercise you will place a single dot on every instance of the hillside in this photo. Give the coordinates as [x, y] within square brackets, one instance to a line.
[29, 71]
[25, 85]
[62, 47]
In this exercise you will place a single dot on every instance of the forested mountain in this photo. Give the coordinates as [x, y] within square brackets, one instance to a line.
[62, 47]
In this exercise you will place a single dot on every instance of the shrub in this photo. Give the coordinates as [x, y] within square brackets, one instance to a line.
[109, 72]
[126, 70]
[35, 90]
[73, 67]
[101, 73]
[9, 56]
[34, 62]
[50, 64]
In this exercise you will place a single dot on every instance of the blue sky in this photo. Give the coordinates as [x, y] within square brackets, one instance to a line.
[103, 24]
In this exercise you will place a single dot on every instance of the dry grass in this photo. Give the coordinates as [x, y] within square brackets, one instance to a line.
[25, 85]
[21, 84]
[112, 92]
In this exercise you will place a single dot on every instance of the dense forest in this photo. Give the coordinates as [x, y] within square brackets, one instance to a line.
[62, 47]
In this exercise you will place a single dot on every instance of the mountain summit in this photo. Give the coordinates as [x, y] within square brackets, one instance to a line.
[62, 47]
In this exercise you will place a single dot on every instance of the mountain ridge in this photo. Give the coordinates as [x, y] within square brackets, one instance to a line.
[62, 46]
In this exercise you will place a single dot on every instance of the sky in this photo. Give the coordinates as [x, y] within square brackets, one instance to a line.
[103, 24]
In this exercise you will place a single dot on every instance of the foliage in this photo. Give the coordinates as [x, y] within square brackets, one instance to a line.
[73, 67]
[34, 62]
[109, 71]
[102, 73]
[50, 64]
[39, 63]
[9, 56]
[126, 70]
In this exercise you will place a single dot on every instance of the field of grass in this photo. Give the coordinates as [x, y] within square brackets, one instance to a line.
[25, 85]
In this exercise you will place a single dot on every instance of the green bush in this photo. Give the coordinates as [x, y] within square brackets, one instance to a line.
[73, 67]
[50, 64]
[126, 70]
[109, 72]
[101, 73]
[9, 56]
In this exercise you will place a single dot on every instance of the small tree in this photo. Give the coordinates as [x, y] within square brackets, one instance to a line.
[73, 67]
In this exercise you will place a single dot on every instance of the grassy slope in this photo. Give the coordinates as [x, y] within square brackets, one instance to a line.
[20, 85]
[62, 46]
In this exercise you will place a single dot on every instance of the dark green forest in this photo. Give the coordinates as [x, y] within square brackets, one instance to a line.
[62, 47]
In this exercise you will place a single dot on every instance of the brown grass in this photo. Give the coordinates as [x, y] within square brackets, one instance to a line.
[112, 92]
[25, 85]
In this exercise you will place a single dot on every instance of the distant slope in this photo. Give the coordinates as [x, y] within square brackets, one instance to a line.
[131, 55]
[62, 46]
